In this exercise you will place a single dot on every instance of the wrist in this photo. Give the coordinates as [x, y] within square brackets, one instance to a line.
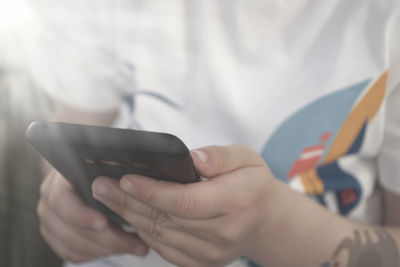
[293, 222]
[273, 216]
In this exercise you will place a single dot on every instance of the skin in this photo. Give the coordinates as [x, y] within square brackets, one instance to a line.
[76, 232]
[391, 202]
[211, 232]
[383, 252]
[241, 210]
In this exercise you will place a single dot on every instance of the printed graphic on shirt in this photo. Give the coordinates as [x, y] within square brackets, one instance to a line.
[305, 150]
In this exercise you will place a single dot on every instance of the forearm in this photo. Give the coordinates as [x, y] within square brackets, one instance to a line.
[310, 235]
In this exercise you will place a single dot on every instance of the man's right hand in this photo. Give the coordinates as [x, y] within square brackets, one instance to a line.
[77, 232]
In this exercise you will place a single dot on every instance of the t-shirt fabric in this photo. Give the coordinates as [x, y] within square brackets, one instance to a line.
[313, 86]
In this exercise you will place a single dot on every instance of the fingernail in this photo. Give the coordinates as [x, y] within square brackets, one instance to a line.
[99, 225]
[100, 190]
[201, 155]
[127, 185]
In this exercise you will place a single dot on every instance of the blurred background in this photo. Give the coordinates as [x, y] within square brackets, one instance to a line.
[20, 103]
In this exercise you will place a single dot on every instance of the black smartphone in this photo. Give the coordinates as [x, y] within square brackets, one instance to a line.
[82, 152]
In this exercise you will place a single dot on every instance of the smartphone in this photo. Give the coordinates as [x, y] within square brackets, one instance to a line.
[82, 152]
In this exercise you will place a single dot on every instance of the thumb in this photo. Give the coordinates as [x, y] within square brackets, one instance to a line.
[213, 161]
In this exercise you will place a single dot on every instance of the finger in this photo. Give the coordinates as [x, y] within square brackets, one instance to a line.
[107, 191]
[202, 200]
[123, 242]
[63, 199]
[47, 184]
[218, 230]
[66, 242]
[48, 180]
[170, 254]
[92, 244]
[151, 218]
[194, 246]
[213, 161]
[196, 200]
[61, 250]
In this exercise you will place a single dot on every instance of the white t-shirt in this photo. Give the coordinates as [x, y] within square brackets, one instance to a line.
[313, 86]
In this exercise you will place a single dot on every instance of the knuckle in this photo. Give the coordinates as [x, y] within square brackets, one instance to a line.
[154, 229]
[223, 158]
[186, 204]
[159, 216]
[43, 188]
[123, 210]
[148, 196]
[249, 153]
[47, 183]
[219, 158]
[52, 200]
[229, 234]
[44, 195]
[154, 213]
[243, 203]
[40, 210]
[244, 149]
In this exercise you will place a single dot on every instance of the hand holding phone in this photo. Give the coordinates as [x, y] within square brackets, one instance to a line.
[81, 153]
